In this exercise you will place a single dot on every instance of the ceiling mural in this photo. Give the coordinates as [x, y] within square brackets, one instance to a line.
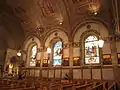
[39, 16]
[22, 18]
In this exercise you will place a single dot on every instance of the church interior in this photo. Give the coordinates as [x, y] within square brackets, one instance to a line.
[59, 45]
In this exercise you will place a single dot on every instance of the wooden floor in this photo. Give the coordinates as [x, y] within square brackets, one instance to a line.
[31, 83]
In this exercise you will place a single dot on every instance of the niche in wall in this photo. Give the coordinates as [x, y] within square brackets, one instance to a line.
[118, 58]
[107, 59]
[76, 61]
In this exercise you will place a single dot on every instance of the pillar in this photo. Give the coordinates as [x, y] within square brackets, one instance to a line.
[114, 51]
[70, 54]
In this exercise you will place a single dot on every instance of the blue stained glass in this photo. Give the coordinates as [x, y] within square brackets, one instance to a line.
[58, 52]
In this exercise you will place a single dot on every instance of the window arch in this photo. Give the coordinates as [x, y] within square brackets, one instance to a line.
[91, 50]
[57, 53]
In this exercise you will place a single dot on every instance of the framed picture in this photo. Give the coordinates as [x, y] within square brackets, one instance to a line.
[118, 57]
[38, 63]
[107, 59]
[76, 61]
[45, 63]
[65, 61]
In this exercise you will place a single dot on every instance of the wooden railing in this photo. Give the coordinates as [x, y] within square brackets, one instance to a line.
[40, 84]
[99, 86]
[113, 87]
[83, 87]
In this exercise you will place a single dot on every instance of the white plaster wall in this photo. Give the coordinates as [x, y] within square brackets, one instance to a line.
[77, 74]
[96, 74]
[76, 52]
[57, 73]
[108, 74]
[37, 72]
[86, 74]
[61, 34]
[98, 27]
[51, 73]
[44, 73]
[66, 53]
[106, 48]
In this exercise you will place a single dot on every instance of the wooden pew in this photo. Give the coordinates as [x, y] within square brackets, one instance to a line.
[83, 87]
[100, 86]
[113, 87]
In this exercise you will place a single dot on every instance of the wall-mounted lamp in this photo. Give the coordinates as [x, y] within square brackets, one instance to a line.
[19, 53]
[48, 50]
[60, 23]
[101, 43]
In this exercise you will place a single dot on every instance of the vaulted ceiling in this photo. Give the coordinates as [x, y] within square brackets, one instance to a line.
[21, 18]
[41, 15]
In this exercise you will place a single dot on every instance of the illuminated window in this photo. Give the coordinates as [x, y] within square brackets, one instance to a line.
[33, 55]
[92, 50]
[57, 53]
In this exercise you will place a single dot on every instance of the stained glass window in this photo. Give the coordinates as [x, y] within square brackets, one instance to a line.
[91, 50]
[57, 53]
[33, 55]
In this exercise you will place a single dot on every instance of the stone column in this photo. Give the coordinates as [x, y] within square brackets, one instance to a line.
[114, 51]
[114, 59]
[42, 56]
[70, 54]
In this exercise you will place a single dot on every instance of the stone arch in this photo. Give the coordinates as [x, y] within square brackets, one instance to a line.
[96, 29]
[28, 44]
[88, 21]
[54, 36]
[56, 33]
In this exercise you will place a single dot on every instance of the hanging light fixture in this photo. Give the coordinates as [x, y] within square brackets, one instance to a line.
[94, 6]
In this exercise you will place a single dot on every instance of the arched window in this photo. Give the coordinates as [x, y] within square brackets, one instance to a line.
[57, 53]
[33, 54]
[91, 50]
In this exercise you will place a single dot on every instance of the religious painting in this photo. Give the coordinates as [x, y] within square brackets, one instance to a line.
[65, 61]
[38, 63]
[10, 56]
[91, 50]
[45, 63]
[57, 53]
[107, 59]
[76, 61]
[118, 58]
